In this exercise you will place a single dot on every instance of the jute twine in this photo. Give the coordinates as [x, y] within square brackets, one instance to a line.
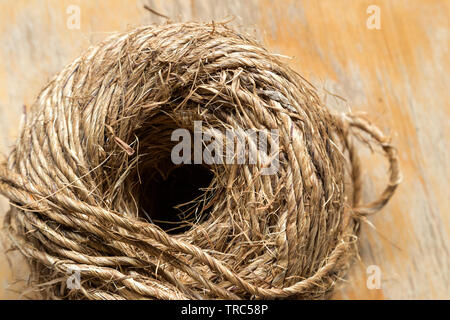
[84, 174]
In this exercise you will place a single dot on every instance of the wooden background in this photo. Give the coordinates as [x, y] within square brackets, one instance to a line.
[398, 74]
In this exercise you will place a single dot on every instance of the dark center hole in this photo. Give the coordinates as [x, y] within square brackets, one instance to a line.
[176, 201]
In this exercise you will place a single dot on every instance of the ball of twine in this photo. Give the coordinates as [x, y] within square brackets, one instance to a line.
[91, 180]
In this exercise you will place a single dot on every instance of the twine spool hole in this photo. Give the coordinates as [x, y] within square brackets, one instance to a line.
[169, 200]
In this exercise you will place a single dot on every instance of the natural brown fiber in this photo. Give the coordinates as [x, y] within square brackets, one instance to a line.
[86, 177]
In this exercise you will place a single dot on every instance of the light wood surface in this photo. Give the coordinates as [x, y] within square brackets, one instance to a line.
[398, 74]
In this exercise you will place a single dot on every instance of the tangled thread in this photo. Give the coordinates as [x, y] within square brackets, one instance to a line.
[87, 175]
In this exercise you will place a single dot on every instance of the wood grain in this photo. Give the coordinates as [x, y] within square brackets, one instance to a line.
[398, 74]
